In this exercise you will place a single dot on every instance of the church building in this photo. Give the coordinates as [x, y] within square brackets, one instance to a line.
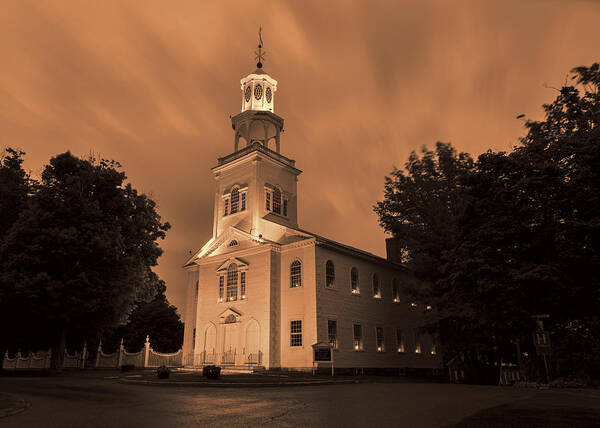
[262, 290]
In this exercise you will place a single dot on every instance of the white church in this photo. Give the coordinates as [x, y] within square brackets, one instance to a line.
[262, 290]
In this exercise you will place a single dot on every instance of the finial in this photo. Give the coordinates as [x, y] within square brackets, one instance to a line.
[260, 54]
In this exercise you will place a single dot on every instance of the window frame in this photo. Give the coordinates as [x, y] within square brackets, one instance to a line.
[329, 274]
[357, 344]
[299, 274]
[233, 278]
[243, 280]
[296, 334]
[334, 344]
[379, 293]
[355, 287]
[395, 290]
[400, 341]
[277, 200]
[234, 200]
[379, 340]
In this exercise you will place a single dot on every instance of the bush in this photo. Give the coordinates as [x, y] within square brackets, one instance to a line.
[163, 372]
[211, 372]
[127, 367]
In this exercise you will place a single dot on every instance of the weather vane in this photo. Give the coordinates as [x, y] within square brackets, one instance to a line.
[260, 55]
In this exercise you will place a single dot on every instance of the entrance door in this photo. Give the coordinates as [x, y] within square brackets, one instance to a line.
[252, 342]
[229, 343]
[210, 339]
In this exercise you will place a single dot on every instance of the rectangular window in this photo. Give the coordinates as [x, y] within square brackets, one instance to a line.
[243, 285]
[196, 293]
[399, 342]
[285, 207]
[296, 333]
[396, 292]
[380, 339]
[221, 287]
[332, 333]
[268, 201]
[226, 207]
[194, 338]
[357, 342]
[243, 201]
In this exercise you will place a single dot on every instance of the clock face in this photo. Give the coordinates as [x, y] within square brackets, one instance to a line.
[247, 93]
[268, 95]
[257, 92]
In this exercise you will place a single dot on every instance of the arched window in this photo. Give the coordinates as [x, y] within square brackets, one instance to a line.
[235, 200]
[233, 243]
[354, 281]
[232, 282]
[395, 290]
[376, 287]
[329, 274]
[277, 201]
[295, 274]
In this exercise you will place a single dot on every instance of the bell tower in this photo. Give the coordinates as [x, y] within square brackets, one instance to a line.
[257, 122]
[256, 188]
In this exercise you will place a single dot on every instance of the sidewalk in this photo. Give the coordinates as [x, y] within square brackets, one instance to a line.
[11, 405]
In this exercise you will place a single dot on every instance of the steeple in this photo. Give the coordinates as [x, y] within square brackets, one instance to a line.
[257, 122]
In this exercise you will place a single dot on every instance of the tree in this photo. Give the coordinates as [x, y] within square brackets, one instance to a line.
[81, 252]
[15, 187]
[516, 235]
[155, 318]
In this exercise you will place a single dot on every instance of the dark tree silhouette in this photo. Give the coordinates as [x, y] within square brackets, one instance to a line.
[80, 253]
[511, 235]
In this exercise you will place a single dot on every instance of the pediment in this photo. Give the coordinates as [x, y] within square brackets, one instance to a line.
[225, 244]
[241, 264]
[230, 315]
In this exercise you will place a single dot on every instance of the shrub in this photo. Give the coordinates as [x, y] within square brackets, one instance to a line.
[211, 372]
[163, 372]
[127, 367]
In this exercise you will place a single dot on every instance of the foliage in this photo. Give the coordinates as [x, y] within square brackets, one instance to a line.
[510, 235]
[156, 318]
[15, 187]
[211, 372]
[163, 372]
[80, 253]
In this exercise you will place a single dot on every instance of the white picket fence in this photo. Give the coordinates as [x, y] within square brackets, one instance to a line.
[37, 360]
[147, 357]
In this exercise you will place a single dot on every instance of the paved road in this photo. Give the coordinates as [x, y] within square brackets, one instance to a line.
[91, 401]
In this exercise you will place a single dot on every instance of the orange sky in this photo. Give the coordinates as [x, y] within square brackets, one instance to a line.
[361, 84]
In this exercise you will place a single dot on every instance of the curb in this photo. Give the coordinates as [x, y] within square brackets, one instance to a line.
[18, 407]
[236, 384]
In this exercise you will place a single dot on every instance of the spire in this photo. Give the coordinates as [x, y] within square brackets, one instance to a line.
[259, 54]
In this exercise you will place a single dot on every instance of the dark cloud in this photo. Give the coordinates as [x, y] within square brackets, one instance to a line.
[361, 84]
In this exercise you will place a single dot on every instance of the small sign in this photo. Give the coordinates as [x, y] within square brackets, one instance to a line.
[541, 340]
[322, 354]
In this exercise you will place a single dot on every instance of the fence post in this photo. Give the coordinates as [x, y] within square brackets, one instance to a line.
[65, 355]
[146, 350]
[120, 359]
[48, 360]
[18, 357]
[83, 355]
[98, 353]
[5, 358]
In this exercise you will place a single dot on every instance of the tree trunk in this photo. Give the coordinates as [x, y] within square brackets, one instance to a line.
[58, 352]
